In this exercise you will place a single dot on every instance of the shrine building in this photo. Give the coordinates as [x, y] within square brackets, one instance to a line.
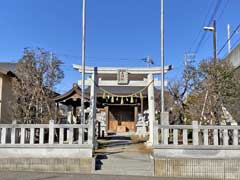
[121, 94]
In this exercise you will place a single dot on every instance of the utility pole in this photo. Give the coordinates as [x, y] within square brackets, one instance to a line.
[215, 40]
[214, 30]
[162, 56]
[83, 58]
[229, 40]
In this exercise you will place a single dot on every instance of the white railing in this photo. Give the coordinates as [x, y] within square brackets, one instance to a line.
[44, 134]
[204, 136]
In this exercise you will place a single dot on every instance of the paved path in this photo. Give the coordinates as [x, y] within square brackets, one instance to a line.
[129, 159]
[62, 176]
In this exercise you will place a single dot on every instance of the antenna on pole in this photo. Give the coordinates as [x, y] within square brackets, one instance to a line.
[229, 38]
[148, 60]
[189, 58]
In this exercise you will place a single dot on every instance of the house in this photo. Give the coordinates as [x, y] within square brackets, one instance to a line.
[7, 72]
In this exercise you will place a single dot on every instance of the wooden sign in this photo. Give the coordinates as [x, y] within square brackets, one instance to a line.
[122, 76]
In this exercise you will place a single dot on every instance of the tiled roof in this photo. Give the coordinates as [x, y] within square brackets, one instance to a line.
[8, 68]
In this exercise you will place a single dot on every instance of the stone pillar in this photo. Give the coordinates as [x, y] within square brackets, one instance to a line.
[135, 116]
[151, 109]
[74, 115]
[92, 119]
[195, 133]
[69, 116]
[106, 108]
[51, 132]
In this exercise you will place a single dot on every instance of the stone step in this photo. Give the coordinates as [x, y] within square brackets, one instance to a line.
[125, 172]
[126, 166]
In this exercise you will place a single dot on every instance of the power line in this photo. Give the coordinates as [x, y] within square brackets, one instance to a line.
[102, 58]
[236, 42]
[233, 33]
[204, 22]
[215, 10]
[224, 8]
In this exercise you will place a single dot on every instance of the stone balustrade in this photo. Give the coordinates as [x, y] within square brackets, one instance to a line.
[197, 151]
[43, 134]
[46, 140]
[197, 135]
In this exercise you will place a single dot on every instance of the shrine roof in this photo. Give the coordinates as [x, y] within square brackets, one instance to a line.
[75, 94]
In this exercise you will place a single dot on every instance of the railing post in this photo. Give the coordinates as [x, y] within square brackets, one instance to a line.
[32, 135]
[70, 140]
[165, 136]
[185, 137]
[80, 135]
[13, 132]
[22, 140]
[215, 135]
[155, 134]
[195, 133]
[175, 136]
[165, 132]
[41, 136]
[51, 132]
[225, 137]
[205, 131]
[3, 135]
[235, 137]
[61, 135]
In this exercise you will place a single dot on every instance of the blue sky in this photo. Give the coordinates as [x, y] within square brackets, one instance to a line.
[119, 32]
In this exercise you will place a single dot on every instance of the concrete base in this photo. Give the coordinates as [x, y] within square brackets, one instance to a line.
[82, 165]
[45, 151]
[198, 168]
[50, 158]
[219, 164]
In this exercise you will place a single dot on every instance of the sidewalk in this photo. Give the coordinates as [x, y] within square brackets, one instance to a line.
[64, 176]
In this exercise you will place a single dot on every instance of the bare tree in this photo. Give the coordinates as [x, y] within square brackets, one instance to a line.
[219, 87]
[179, 90]
[38, 72]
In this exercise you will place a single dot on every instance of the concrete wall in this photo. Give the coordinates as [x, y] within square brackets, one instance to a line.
[79, 165]
[216, 163]
[219, 169]
[234, 56]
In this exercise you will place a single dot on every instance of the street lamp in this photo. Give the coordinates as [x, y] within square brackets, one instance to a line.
[214, 30]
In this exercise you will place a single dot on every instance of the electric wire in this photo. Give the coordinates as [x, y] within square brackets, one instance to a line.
[217, 6]
[233, 33]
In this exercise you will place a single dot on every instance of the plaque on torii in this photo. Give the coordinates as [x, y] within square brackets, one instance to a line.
[122, 77]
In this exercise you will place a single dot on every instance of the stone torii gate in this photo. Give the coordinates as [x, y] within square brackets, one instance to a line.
[123, 77]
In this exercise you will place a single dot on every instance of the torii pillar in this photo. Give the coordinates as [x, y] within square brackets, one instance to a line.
[93, 99]
[151, 109]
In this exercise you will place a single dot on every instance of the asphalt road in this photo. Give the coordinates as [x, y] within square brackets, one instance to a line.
[65, 176]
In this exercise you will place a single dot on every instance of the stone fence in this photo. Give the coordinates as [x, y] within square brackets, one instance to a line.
[197, 135]
[46, 147]
[197, 151]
